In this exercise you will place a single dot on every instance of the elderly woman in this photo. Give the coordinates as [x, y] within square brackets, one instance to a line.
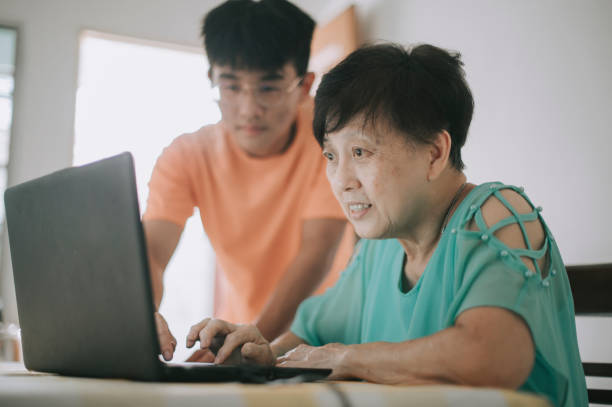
[452, 282]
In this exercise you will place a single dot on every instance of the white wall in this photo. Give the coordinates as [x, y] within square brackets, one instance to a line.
[540, 71]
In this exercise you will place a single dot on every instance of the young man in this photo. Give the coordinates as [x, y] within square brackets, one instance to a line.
[266, 208]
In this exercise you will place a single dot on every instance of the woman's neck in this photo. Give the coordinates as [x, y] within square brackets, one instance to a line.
[444, 197]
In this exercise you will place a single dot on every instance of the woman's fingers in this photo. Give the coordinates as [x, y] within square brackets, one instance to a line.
[295, 355]
[227, 340]
[201, 355]
[215, 327]
[237, 338]
[206, 330]
[194, 332]
[258, 353]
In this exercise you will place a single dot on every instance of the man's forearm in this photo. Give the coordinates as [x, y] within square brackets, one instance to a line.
[157, 284]
[161, 237]
[300, 281]
[280, 309]
[320, 240]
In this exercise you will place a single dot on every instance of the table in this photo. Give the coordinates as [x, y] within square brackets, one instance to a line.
[19, 387]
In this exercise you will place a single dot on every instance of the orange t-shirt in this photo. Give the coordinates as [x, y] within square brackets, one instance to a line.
[252, 209]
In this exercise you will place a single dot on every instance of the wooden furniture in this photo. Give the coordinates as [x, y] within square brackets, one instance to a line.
[18, 387]
[592, 291]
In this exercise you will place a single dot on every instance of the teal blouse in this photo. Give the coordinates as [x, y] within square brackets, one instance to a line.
[468, 269]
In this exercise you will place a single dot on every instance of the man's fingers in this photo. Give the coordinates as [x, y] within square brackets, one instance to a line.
[167, 342]
[167, 352]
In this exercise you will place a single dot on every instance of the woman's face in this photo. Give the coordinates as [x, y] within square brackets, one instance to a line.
[378, 177]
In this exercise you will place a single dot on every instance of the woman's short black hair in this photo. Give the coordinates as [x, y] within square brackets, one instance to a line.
[258, 35]
[419, 91]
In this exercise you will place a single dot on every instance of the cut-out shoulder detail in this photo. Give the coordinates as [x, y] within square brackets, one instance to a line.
[516, 224]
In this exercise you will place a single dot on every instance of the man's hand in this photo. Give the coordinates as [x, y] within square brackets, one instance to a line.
[167, 342]
[246, 339]
[330, 356]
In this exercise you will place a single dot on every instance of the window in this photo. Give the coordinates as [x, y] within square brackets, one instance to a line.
[8, 40]
[137, 96]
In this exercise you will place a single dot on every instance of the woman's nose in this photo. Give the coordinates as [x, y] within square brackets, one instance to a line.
[345, 178]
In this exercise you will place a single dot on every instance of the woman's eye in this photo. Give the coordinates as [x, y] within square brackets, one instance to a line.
[358, 152]
[328, 156]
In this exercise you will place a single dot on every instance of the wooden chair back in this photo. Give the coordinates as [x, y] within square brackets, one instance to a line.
[592, 291]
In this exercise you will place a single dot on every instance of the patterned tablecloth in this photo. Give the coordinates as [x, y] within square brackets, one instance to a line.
[18, 387]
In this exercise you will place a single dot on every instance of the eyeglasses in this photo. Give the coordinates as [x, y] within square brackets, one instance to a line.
[266, 95]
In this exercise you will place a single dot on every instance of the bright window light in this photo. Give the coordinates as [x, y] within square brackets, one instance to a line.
[138, 96]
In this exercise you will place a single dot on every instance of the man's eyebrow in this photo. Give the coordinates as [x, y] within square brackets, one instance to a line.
[272, 76]
[227, 75]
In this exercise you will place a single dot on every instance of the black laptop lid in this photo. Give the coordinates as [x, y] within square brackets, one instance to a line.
[81, 273]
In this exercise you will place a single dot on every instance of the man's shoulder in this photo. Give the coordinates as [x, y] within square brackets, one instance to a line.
[203, 135]
[205, 138]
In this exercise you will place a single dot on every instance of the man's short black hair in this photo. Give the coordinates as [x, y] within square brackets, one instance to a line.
[258, 35]
[420, 91]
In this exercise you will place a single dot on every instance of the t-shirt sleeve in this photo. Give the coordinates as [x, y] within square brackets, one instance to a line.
[490, 278]
[492, 274]
[334, 316]
[321, 201]
[171, 196]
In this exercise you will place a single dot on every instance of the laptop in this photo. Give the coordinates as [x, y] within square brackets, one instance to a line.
[82, 281]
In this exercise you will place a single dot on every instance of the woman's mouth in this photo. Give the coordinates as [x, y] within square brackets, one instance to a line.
[358, 210]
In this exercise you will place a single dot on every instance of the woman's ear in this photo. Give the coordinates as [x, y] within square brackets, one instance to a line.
[439, 153]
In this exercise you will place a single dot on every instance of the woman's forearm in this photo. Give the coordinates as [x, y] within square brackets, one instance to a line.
[418, 361]
[487, 347]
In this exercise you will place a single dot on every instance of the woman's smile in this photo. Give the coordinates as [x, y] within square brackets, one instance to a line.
[358, 210]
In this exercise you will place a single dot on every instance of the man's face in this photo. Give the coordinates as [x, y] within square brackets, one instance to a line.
[259, 107]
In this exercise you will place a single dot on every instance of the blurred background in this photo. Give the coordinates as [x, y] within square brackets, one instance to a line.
[84, 79]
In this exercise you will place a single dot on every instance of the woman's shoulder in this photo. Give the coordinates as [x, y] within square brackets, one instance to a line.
[495, 200]
[481, 192]
[503, 217]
